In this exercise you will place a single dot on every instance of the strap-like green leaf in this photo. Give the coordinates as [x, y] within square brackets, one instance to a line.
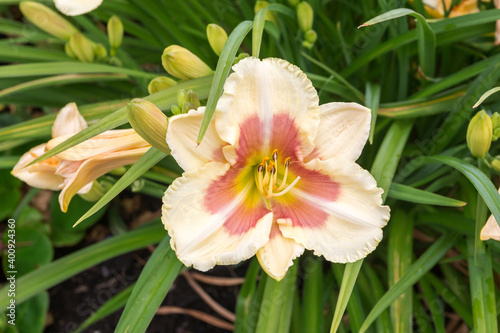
[483, 184]
[486, 95]
[411, 194]
[222, 72]
[153, 284]
[413, 274]
[57, 271]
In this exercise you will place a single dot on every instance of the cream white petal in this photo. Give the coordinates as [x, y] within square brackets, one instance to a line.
[209, 228]
[76, 7]
[68, 121]
[491, 230]
[40, 175]
[342, 132]
[271, 97]
[278, 254]
[104, 143]
[343, 226]
[181, 138]
[95, 167]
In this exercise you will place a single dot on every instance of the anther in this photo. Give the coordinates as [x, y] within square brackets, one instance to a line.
[275, 155]
[287, 162]
[260, 168]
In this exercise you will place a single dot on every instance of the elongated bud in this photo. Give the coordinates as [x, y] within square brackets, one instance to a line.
[192, 99]
[115, 33]
[495, 122]
[181, 96]
[183, 64]
[305, 16]
[69, 52]
[82, 47]
[496, 164]
[311, 36]
[100, 52]
[217, 38]
[293, 3]
[149, 122]
[160, 83]
[176, 110]
[270, 16]
[479, 134]
[47, 20]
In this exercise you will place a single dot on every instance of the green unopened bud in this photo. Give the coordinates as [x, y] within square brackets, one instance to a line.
[100, 52]
[181, 96]
[115, 33]
[82, 47]
[115, 61]
[149, 122]
[188, 106]
[495, 122]
[305, 16]
[479, 134]
[192, 99]
[217, 38]
[69, 52]
[160, 83]
[183, 64]
[293, 3]
[307, 44]
[496, 164]
[311, 36]
[47, 20]
[270, 16]
[240, 57]
[176, 110]
[99, 188]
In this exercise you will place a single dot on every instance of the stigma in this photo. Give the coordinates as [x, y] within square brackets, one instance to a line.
[267, 177]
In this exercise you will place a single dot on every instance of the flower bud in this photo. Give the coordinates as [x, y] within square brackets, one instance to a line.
[293, 3]
[69, 52]
[183, 64]
[495, 164]
[495, 122]
[160, 83]
[307, 44]
[181, 95]
[188, 106]
[149, 122]
[240, 57]
[270, 16]
[115, 33]
[311, 36]
[192, 99]
[176, 110]
[100, 52]
[47, 20]
[217, 38]
[82, 47]
[479, 134]
[305, 16]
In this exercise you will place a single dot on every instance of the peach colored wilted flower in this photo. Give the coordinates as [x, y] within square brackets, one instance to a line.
[491, 230]
[274, 175]
[435, 8]
[74, 170]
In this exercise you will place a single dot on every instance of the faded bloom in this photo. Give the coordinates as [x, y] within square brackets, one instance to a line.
[491, 230]
[435, 8]
[74, 170]
[274, 175]
[76, 7]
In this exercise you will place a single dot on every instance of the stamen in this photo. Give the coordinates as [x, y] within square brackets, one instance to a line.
[283, 183]
[275, 155]
[289, 187]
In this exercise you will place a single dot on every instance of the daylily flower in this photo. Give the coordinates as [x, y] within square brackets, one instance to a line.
[76, 7]
[274, 175]
[491, 230]
[435, 8]
[75, 169]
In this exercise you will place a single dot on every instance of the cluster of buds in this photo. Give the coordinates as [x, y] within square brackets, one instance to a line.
[305, 19]
[77, 45]
[482, 130]
[186, 100]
